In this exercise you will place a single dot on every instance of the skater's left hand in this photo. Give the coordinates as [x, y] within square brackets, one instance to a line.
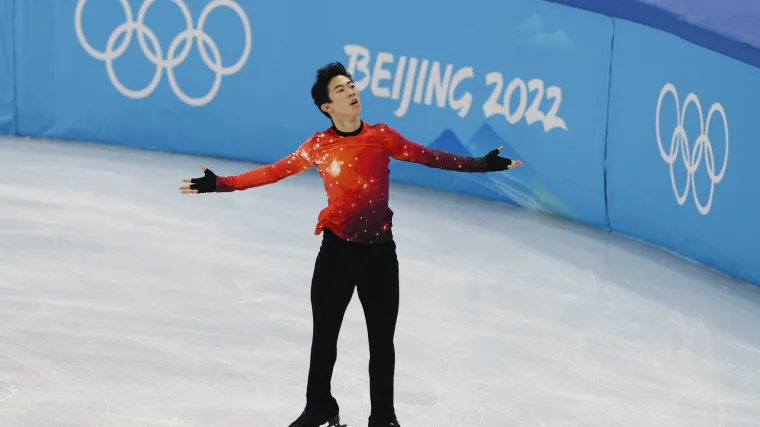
[496, 163]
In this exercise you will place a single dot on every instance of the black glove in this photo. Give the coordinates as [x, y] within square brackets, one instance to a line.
[495, 163]
[206, 184]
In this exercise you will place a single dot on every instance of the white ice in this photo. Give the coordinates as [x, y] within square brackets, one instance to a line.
[124, 303]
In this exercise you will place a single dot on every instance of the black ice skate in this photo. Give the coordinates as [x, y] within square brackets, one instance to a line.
[308, 419]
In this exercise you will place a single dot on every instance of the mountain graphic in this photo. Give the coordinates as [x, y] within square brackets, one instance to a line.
[449, 142]
[521, 186]
[516, 185]
[415, 174]
[486, 139]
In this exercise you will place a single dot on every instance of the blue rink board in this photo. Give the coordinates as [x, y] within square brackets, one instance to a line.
[700, 202]
[7, 71]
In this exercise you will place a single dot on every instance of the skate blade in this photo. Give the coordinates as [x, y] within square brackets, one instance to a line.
[335, 422]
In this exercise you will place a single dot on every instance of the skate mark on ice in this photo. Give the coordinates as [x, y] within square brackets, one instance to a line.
[437, 391]
[650, 413]
[609, 414]
[242, 291]
[597, 283]
[42, 307]
[176, 418]
[747, 347]
[200, 380]
[601, 339]
[12, 394]
[556, 358]
[722, 414]
[535, 416]
[482, 415]
[108, 411]
[360, 416]
[240, 371]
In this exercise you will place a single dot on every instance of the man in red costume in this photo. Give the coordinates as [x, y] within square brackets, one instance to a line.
[357, 250]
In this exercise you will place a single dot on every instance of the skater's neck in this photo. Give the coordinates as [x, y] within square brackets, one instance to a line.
[348, 127]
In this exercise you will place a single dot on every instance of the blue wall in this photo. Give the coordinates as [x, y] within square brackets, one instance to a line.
[731, 27]
[572, 93]
[683, 150]
[7, 72]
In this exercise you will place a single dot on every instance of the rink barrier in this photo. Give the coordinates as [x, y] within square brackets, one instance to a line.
[600, 109]
[7, 69]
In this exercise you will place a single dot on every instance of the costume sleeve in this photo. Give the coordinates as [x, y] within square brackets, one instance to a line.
[408, 151]
[268, 174]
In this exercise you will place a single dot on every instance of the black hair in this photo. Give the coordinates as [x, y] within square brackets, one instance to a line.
[320, 91]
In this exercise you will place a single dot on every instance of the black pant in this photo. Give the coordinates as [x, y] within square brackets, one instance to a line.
[373, 270]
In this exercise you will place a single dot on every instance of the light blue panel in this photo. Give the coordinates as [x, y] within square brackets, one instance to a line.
[148, 91]
[731, 27]
[7, 72]
[682, 155]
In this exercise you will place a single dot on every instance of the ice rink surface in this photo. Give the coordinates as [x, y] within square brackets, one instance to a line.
[124, 303]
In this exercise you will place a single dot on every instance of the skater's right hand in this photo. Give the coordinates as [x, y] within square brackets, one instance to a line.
[204, 184]
[496, 163]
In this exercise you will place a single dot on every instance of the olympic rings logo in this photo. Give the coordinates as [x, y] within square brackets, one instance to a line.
[172, 59]
[692, 159]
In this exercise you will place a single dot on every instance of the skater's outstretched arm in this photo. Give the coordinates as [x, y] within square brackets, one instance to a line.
[263, 175]
[408, 151]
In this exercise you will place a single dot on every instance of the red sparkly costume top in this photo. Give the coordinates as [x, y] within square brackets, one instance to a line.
[354, 168]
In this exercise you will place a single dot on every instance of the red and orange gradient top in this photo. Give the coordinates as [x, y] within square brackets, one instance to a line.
[354, 168]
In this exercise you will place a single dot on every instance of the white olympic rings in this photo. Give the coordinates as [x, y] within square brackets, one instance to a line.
[702, 147]
[170, 61]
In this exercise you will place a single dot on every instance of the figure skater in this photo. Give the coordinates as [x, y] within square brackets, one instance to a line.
[357, 248]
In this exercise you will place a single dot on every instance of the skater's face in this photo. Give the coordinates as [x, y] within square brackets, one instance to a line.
[344, 98]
